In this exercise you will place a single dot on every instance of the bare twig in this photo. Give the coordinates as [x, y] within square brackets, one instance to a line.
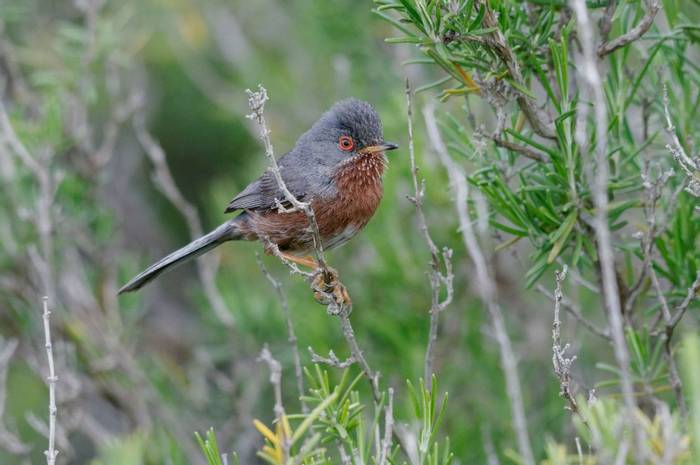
[683, 306]
[633, 34]
[652, 192]
[357, 355]
[575, 311]
[562, 364]
[51, 380]
[388, 430]
[291, 336]
[438, 279]
[691, 166]
[594, 87]
[164, 182]
[521, 149]
[332, 359]
[486, 286]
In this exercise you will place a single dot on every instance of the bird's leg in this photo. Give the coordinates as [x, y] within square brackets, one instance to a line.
[327, 288]
[303, 261]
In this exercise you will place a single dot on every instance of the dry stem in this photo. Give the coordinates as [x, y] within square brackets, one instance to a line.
[438, 279]
[51, 380]
[486, 286]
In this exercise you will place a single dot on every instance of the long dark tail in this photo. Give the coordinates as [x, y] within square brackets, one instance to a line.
[226, 232]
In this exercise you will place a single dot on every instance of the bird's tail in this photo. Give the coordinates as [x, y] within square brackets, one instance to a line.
[226, 232]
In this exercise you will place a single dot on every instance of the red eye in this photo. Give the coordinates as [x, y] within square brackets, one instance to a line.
[346, 143]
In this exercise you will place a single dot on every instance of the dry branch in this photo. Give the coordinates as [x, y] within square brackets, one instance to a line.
[594, 88]
[438, 278]
[630, 36]
[486, 286]
[51, 380]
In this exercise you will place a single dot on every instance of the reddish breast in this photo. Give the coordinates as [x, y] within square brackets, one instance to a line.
[359, 185]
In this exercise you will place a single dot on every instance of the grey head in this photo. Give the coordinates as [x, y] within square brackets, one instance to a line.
[351, 127]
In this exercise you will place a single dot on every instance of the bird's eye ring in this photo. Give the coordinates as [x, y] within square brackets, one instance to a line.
[345, 143]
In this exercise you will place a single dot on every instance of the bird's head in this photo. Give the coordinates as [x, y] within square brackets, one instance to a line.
[350, 128]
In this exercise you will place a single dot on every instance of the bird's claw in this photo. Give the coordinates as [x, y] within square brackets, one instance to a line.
[328, 290]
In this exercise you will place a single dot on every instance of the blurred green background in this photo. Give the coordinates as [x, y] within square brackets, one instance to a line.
[193, 61]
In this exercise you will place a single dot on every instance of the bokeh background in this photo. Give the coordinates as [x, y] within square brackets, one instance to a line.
[139, 374]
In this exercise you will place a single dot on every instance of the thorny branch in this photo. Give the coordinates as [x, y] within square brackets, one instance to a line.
[164, 182]
[291, 335]
[485, 284]
[438, 279]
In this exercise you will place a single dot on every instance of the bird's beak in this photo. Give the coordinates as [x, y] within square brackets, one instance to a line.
[383, 147]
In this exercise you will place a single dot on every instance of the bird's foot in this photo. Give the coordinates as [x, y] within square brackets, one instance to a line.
[329, 291]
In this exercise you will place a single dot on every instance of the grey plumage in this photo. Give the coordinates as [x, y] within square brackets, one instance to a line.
[307, 171]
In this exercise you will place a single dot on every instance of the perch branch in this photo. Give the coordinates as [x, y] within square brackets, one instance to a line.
[256, 101]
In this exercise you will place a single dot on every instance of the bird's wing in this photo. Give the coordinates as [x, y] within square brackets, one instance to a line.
[262, 193]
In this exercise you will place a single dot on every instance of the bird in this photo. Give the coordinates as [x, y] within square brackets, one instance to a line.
[337, 166]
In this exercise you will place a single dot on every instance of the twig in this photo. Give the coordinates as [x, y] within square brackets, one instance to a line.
[652, 192]
[370, 374]
[594, 86]
[51, 380]
[388, 429]
[562, 364]
[633, 34]
[690, 166]
[521, 149]
[683, 306]
[291, 336]
[575, 311]
[438, 279]
[332, 359]
[164, 182]
[486, 286]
